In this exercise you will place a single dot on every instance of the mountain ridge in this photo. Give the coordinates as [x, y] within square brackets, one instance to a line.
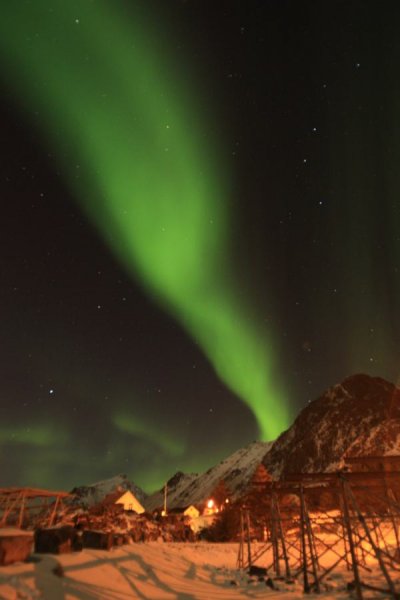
[359, 416]
[236, 470]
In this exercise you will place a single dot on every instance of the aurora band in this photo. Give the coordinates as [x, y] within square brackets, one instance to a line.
[129, 139]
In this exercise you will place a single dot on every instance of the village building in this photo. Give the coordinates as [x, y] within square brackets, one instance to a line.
[186, 511]
[126, 499]
[192, 512]
[130, 503]
[210, 508]
[218, 499]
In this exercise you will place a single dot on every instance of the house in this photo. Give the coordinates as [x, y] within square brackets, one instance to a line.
[192, 512]
[187, 511]
[210, 508]
[130, 502]
[218, 501]
[125, 499]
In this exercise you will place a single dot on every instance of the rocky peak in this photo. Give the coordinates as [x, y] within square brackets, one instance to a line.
[360, 415]
[89, 495]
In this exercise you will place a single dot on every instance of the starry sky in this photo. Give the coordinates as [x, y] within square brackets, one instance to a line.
[200, 226]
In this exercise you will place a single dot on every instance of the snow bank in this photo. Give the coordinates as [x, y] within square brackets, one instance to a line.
[152, 571]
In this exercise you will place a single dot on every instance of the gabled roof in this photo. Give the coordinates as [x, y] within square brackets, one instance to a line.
[123, 497]
[128, 498]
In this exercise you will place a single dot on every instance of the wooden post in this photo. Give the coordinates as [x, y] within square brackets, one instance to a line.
[54, 511]
[282, 537]
[274, 536]
[347, 523]
[21, 511]
[240, 559]
[306, 584]
[165, 499]
[343, 525]
[377, 550]
[248, 539]
[310, 543]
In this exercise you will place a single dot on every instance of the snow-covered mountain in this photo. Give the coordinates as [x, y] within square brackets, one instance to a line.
[360, 416]
[235, 471]
[89, 495]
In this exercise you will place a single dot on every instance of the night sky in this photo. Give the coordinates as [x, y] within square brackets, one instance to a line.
[200, 226]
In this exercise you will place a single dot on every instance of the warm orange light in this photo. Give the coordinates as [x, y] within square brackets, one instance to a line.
[226, 500]
[210, 503]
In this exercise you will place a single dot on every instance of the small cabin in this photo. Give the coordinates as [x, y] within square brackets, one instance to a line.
[124, 499]
[211, 507]
[186, 511]
[130, 502]
[192, 512]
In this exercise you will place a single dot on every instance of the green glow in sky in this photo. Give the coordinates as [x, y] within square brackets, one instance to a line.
[127, 423]
[132, 147]
[33, 435]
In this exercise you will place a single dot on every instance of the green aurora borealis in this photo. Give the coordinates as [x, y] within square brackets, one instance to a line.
[200, 226]
[129, 139]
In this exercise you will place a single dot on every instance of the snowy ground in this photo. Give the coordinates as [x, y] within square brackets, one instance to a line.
[153, 571]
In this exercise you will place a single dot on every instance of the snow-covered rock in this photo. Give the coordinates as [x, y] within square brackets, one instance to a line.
[236, 471]
[89, 495]
[360, 416]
